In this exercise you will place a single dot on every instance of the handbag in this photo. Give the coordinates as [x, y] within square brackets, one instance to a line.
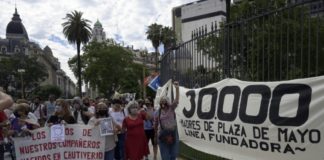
[166, 136]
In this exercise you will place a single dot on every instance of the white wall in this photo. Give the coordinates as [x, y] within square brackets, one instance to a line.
[198, 9]
[188, 27]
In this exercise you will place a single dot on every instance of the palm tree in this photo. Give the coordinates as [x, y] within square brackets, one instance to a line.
[77, 30]
[168, 38]
[153, 33]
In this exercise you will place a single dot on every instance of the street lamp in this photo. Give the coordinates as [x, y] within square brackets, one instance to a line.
[22, 71]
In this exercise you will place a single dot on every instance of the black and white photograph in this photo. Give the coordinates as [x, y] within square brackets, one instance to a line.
[106, 127]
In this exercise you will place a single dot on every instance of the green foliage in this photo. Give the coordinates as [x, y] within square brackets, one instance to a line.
[279, 45]
[35, 72]
[77, 30]
[168, 37]
[109, 67]
[44, 91]
[154, 33]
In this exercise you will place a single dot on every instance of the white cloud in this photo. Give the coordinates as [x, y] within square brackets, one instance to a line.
[127, 18]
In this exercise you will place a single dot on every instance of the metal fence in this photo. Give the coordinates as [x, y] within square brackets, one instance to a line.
[281, 44]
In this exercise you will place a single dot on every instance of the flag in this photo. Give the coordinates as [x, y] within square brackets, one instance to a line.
[155, 83]
[147, 80]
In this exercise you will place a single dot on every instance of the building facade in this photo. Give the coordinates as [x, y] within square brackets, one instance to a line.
[189, 17]
[98, 33]
[17, 42]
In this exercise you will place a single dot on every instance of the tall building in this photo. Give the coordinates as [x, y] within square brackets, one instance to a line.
[17, 42]
[189, 17]
[98, 33]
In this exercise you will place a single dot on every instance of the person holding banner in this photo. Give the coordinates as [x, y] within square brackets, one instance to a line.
[149, 126]
[136, 145]
[166, 126]
[62, 114]
[5, 102]
[101, 112]
[118, 115]
[80, 112]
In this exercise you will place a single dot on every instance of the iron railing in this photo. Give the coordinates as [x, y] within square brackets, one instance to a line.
[281, 44]
[278, 44]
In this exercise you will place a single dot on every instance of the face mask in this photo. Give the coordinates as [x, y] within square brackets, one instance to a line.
[102, 112]
[133, 111]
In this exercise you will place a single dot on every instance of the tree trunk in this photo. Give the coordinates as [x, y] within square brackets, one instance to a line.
[79, 70]
[156, 60]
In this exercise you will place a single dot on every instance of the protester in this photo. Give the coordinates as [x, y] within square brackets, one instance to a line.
[136, 147]
[102, 112]
[38, 110]
[80, 113]
[166, 127]
[30, 114]
[49, 109]
[22, 124]
[5, 102]
[149, 127]
[62, 115]
[87, 104]
[118, 115]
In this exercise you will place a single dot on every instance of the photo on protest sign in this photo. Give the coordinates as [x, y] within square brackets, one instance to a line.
[106, 127]
[57, 133]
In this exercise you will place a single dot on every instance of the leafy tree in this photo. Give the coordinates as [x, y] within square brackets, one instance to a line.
[281, 43]
[109, 67]
[77, 30]
[35, 72]
[44, 91]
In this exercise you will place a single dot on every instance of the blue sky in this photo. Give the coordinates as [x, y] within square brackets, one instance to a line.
[124, 20]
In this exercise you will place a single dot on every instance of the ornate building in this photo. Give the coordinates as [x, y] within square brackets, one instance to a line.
[98, 34]
[17, 42]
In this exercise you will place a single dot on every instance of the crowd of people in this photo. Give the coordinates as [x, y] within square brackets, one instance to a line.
[135, 123]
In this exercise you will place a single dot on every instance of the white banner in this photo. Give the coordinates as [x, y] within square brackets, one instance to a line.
[81, 142]
[254, 120]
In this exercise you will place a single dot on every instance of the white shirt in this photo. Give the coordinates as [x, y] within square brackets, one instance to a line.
[79, 120]
[92, 109]
[38, 110]
[118, 117]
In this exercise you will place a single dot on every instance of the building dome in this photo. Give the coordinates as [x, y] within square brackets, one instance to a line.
[98, 24]
[15, 29]
[48, 50]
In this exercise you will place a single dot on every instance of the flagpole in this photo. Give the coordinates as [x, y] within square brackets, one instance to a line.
[144, 86]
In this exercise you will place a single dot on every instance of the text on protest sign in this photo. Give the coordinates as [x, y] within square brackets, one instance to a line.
[80, 142]
[254, 120]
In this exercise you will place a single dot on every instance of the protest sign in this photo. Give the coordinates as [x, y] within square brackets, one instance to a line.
[57, 133]
[106, 126]
[80, 142]
[242, 120]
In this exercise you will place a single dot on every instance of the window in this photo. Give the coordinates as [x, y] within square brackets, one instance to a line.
[3, 50]
[17, 49]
